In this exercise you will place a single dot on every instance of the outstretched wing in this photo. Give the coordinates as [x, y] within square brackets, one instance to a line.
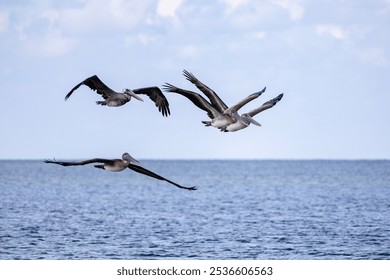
[195, 98]
[267, 105]
[83, 162]
[156, 95]
[95, 84]
[217, 102]
[142, 170]
[238, 106]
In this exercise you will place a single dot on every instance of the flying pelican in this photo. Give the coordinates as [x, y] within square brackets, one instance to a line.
[116, 99]
[116, 165]
[216, 107]
[245, 120]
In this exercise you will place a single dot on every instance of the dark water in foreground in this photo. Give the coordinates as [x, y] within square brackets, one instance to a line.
[241, 210]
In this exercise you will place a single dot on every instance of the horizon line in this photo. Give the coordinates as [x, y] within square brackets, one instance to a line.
[221, 159]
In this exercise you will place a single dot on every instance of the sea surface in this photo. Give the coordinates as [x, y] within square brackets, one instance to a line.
[262, 209]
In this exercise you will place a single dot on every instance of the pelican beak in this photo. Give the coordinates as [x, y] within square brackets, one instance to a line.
[128, 91]
[254, 122]
[132, 160]
[136, 96]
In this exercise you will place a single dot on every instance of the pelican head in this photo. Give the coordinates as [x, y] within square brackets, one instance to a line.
[129, 93]
[234, 115]
[248, 120]
[129, 158]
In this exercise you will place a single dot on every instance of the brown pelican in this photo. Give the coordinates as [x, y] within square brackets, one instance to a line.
[216, 108]
[245, 120]
[116, 99]
[116, 165]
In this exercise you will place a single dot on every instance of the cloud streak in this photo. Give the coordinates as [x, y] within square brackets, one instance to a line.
[95, 15]
[51, 45]
[294, 8]
[334, 31]
[232, 5]
[168, 8]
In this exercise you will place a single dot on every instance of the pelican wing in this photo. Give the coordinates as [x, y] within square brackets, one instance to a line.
[95, 84]
[142, 170]
[267, 105]
[217, 102]
[156, 95]
[237, 106]
[82, 162]
[195, 98]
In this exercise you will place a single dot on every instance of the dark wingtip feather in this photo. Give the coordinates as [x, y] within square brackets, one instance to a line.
[73, 89]
[278, 98]
[274, 100]
[167, 87]
[165, 109]
[189, 76]
[50, 161]
[68, 95]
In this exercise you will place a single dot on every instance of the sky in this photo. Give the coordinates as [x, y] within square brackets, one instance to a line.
[330, 58]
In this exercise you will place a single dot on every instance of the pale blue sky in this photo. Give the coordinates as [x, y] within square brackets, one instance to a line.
[331, 59]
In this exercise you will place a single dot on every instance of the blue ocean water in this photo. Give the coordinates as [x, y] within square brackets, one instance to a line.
[242, 210]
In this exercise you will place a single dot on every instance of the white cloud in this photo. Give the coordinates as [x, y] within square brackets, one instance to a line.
[232, 5]
[168, 8]
[52, 44]
[3, 22]
[143, 38]
[333, 30]
[294, 7]
[254, 14]
[47, 31]
[98, 14]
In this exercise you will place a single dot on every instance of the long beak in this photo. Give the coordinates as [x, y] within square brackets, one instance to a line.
[132, 160]
[253, 121]
[135, 96]
[131, 93]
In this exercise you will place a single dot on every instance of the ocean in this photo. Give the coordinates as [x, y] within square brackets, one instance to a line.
[243, 209]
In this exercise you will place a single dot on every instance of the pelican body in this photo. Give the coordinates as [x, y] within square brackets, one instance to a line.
[117, 165]
[116, 99]
[119, 99]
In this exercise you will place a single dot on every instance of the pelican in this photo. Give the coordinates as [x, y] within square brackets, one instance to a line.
[116, 165]
[246, 119]
[216, 107]
[116, 99]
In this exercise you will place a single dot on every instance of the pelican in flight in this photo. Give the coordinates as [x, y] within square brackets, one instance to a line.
[216, 108]
[245, 120]
[116, 99]
[116, 165]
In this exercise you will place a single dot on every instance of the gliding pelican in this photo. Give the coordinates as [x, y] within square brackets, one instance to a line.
[116, 99]
[216, 108]
[116, 165]
[245, 120]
